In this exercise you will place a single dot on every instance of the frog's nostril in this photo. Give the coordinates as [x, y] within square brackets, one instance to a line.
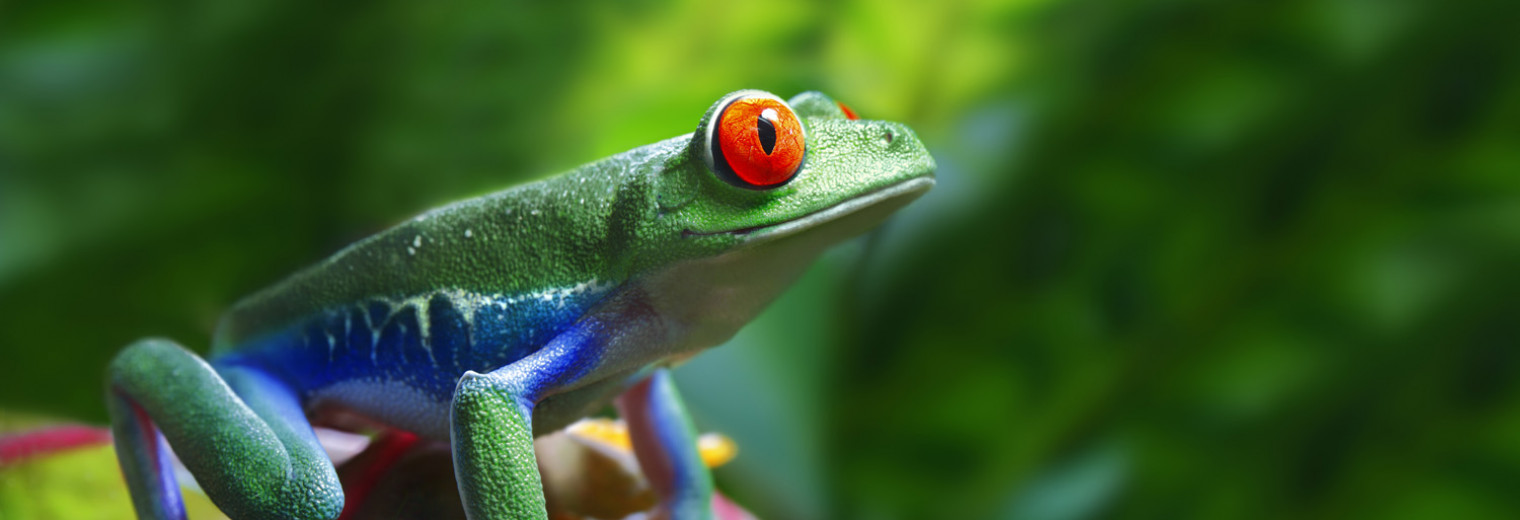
[886, 138]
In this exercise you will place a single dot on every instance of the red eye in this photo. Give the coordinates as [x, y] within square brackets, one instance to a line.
[758, 143]
[848, 114]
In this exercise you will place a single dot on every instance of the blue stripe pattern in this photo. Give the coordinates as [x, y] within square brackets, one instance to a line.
[426, 342]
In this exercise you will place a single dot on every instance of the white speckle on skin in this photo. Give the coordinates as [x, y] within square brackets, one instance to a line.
[417, 241]
[469, 233]
[535, 212]
[411, 251]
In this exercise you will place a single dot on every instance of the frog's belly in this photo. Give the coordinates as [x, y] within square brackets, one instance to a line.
[393, 403]
[400, 405]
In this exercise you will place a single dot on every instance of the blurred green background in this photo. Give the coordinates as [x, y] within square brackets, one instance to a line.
[1187, 259]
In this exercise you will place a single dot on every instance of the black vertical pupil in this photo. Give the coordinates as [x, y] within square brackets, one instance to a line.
[767, 134]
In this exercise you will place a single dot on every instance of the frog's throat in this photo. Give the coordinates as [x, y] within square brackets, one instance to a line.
[901, 193]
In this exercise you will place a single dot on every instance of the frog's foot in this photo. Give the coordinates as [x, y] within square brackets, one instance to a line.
[241, 433]
[665, 443]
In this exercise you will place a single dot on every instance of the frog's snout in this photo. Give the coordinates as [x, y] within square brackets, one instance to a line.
[891, 150]
[899, 141]
[896, 137]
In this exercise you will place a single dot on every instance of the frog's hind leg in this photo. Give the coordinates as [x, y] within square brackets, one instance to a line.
[665, 443]
[241, 433]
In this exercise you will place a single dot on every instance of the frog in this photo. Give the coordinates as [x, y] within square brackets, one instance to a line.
[493, 320]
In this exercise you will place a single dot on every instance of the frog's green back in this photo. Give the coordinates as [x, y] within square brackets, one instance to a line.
[560, 232]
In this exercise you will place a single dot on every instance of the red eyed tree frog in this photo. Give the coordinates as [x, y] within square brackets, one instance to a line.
[495, 319]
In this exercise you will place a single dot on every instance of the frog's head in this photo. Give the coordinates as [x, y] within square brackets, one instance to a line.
[764, 185]
[762, 169]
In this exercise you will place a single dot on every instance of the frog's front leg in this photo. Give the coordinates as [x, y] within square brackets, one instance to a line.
[241, 433]
[665, 442]
[491, 420]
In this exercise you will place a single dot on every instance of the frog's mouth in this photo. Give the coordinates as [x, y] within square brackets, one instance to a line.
[890, 198]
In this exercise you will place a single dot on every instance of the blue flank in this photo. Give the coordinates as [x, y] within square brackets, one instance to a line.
[342, 344]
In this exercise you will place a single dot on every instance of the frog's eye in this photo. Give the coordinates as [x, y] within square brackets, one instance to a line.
[848, 114]
[757, 143]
